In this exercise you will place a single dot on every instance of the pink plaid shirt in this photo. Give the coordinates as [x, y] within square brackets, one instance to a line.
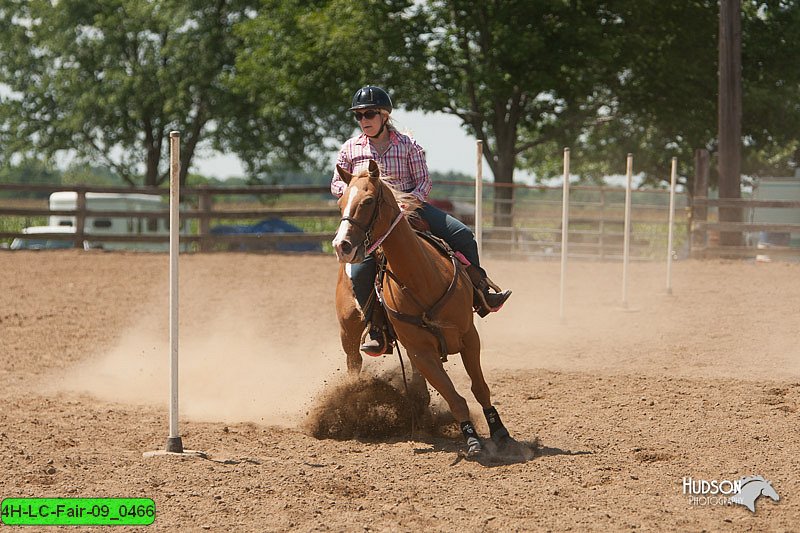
[404, 161]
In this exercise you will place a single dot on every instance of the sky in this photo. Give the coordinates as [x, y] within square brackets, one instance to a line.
[447, 146]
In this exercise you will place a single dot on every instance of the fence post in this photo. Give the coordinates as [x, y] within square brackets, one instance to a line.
[206, 203]
[479, 196]
[602, 223]
[626, 239]
[80, 216]
[672, 179]
[564, 234]
[699, 213]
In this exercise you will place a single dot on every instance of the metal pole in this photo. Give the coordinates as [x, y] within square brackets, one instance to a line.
[672, 180]
[564, 234]
[174, 443]
[479, 197]
[627, 238]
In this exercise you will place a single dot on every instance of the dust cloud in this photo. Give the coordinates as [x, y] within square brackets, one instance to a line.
[242, 358]
[228, 371]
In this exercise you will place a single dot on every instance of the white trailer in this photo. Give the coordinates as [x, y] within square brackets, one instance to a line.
[97, 226]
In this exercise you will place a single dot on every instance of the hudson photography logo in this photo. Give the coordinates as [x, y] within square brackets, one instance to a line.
[744, 491]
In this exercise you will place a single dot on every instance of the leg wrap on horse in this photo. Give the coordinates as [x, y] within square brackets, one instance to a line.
[497, 430]
[473, 441]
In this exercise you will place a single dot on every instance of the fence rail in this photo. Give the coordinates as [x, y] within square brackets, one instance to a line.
[706, 233]
[595, 228]
[201, 208]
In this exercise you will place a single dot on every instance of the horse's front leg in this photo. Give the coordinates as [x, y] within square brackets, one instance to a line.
[351, 324]
[430, 365]
[471, 357]
[350, 336]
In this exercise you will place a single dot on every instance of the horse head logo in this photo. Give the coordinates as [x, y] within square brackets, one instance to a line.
[752, 488]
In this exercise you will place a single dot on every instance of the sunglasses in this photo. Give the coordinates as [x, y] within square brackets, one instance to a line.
[369, 115]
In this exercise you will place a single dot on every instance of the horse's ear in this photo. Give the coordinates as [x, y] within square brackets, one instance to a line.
[374, 171]
[345, 175]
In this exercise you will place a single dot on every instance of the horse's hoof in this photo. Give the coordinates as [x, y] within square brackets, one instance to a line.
[474, 447]
[508, 446]
[500, 436]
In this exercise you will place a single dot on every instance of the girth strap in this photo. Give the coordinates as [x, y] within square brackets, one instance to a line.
[426, 320]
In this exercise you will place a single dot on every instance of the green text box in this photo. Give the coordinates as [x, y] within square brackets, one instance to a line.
[77, 511]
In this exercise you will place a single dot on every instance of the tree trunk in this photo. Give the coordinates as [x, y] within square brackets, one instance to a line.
[699, 240]
[503, 170]
[730, 114]
[153, 141]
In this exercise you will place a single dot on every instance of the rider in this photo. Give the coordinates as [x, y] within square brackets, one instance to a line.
[400, 157]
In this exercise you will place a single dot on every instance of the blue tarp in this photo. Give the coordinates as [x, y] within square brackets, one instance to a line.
[269, 225]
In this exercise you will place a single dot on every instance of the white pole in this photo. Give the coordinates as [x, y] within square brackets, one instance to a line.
[174, 443]
[479, 197]
[672, 180]
[564, 233]
[627, 237]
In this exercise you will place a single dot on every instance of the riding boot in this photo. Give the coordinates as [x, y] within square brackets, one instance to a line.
[484, 301]
[377, 341]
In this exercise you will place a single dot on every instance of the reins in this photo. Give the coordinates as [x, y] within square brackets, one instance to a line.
[367, 228]
[380, 241]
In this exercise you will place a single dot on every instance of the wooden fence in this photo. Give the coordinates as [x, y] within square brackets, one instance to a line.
[596, 222]
[200, 206]
[595, 231]
[706, 229]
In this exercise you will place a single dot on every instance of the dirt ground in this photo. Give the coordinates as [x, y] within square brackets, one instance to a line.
[625, 402]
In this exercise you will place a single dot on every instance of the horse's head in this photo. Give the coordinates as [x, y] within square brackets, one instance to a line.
[769, 491]
[752, 487]
[367, 207]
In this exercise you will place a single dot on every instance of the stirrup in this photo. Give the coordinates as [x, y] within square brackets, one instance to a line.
[376, 347]
[482, 306]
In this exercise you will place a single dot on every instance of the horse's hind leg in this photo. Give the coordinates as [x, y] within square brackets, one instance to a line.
[418, 390]
[471, 357]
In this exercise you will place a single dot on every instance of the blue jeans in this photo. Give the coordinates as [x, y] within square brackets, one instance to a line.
[448, 228]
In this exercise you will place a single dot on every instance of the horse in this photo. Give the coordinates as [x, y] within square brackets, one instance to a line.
[427, 295]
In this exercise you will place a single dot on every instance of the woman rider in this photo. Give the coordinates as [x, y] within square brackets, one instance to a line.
[400, 157]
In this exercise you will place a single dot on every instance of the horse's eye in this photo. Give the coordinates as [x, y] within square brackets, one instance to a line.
[369, 200]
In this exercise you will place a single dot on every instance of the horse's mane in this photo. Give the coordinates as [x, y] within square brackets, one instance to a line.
[410, 202]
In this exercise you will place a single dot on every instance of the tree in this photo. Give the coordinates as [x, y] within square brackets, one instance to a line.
[300, 63]
[771, 87]
[109, 79]
[662, 101]
[520, 74]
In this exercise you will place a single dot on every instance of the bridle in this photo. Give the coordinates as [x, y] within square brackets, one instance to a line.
[370, 247]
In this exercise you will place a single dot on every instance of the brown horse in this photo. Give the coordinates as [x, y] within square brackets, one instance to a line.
[428, 296]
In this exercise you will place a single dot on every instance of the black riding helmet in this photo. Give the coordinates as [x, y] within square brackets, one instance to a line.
[371, 96]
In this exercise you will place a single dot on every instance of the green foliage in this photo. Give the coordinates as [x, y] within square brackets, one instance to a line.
[519, 73]
[31, 172]
[299, 65]
[109, 79]
[271, 80]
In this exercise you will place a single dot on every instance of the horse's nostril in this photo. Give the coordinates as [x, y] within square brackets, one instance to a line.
[346, 247]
